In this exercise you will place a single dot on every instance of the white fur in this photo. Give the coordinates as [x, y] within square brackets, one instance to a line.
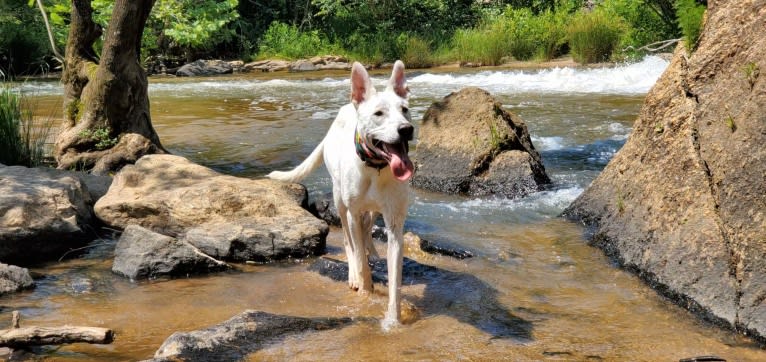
[359, 191]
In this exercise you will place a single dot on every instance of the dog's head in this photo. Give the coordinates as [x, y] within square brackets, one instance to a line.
[384, 118]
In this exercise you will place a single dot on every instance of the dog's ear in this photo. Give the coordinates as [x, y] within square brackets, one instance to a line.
[397, 83]
[361, 85]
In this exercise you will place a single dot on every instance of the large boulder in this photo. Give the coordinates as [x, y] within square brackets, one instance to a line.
[14, 279]
[204, 68]
[43, 213]
[241, 335]
[468, 144]
[144, 254]
[683, 203]
[231, 218]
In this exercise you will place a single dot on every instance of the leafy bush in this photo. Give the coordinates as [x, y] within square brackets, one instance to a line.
[594, 36]
[522, 31]
[553, 35]
[287, 41]
[689, 15]
[644, 24]
[21, 143]
[23, 42]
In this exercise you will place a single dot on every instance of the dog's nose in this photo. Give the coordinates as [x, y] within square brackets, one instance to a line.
[405, 132]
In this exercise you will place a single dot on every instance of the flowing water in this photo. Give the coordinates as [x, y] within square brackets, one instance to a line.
[533, 291]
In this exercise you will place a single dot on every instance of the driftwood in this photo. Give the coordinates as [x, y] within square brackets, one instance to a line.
[18, 337]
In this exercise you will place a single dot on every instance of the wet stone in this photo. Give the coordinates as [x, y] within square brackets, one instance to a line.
[241, 335]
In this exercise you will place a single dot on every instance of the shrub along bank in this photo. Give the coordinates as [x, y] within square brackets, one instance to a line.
[421, 32]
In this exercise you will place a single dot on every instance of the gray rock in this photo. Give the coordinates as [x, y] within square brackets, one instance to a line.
[303, 66]
[219, 213]
[239, 336]
[204, 68]
[266, 66]
[259, 240]
[144, 254]
[468, 144]
[683, 203]
[43, 214]
[14, 279]
[324, 208]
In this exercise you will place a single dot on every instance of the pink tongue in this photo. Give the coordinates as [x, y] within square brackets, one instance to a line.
[400, 166]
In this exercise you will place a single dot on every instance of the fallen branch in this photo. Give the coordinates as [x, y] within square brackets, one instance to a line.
[18, 337]
[654, 47]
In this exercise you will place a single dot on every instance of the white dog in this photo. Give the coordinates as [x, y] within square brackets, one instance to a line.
[365, 152]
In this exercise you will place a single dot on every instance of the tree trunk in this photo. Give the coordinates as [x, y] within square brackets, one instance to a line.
[106, 106]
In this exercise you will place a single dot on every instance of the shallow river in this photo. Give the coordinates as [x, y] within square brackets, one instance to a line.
[563, 298]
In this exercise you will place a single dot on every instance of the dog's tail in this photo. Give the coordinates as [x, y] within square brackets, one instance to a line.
[304, 169]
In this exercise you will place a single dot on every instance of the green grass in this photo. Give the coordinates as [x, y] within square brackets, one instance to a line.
[289, 42]
[594, 36]
[689, 15]
[21, 141]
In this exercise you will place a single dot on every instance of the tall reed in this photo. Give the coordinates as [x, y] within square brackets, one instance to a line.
[21, 141]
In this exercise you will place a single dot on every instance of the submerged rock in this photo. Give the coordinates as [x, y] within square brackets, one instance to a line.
[239, 336]
[468, 144]
[230, 217]
[43, 214]
[14, 279]
[144, 254]
[683, 203]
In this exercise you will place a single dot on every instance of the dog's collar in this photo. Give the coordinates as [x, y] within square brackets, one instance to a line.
[369, 154]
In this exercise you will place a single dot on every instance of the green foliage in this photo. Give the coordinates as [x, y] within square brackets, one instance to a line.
[287, 41]
[100, 136]
[370, 29]
[751, 72]
[486, 45]
[193, 24]
[414, 51]
[645, 25]
[23, 42]
[594, 36]
[689, 15]
[21, 142]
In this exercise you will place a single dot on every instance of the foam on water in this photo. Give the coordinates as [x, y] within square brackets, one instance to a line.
[634, 78]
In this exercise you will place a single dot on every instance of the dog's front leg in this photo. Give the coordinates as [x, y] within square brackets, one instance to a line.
[363, 276]
[394, 261]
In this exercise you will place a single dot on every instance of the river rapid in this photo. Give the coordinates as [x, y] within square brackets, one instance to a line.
[564, 299]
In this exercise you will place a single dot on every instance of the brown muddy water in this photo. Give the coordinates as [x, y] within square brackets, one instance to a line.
[534, 289]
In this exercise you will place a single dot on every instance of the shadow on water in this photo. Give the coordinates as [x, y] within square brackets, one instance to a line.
[459, 295]
[592, 156]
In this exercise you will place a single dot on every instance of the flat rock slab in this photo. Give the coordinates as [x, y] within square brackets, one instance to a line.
[231, 218]
[239, 336]
[144, 254]
[43, 214]
[468, 144]
[205, 67]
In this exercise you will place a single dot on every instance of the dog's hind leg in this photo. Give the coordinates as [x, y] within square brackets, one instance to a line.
[353, 283]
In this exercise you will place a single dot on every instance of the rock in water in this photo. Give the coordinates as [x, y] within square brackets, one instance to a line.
[232, 218]
[683, 203]
[239, 336]
[468, 144]
[205, 67]
[14, 279]
[43, 214]
[144, 254]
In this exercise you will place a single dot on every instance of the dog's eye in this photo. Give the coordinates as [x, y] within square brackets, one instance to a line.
[378, 113]
[405, 109]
